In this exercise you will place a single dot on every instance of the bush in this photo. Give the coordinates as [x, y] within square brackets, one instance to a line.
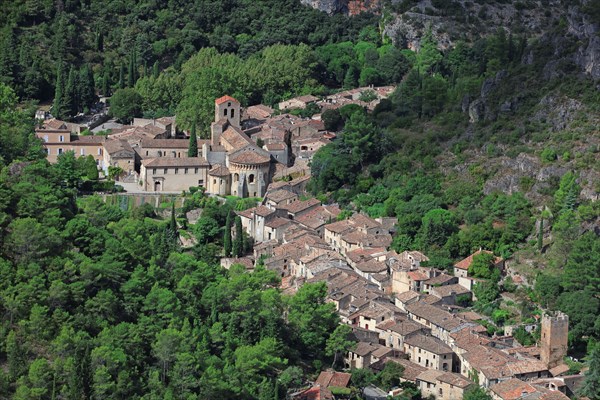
[548, 154]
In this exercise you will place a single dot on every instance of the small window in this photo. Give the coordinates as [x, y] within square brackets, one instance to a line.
[165, 171]
[195, 170]
[153, 171]
[229, 104]
[99, 152]
[82, 152]
[185, 171]
[225, 112]
[46, 138]
[176, 171]
[251, 178]
[60, 151]
[146, 152]
[47, 151]
[232, 113]
[214, 181]
[61, 138]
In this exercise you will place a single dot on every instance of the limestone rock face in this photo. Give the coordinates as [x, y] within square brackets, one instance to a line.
[349, 7]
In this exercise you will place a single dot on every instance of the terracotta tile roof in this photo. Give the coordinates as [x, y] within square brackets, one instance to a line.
[54, 124]
[449, 290]
[280, 195]
[430, 375]
[263, 211]
[364, 221]
[559, 370]
[417, 276]
[371, 266]
[278, 222]
[225, 98]
[249, 158]
[318, 217]
[219, 170]
[275, 146]
[455, 380]
[247, 262]
[314, 393]
[441, 279]
[466, 263]
[411, 370]
[403, 327]
[512, 389]
[363, 349]
[91, 139]
[113, 146]
[428, 343]
[333, 378]
[175, 162]
[339, 226]
[298, 206]
[149, 143]
[259, 111]
[235, 137]
[435, 315]
[406, 296]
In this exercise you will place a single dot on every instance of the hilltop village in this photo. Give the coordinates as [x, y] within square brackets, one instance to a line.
[400, 309]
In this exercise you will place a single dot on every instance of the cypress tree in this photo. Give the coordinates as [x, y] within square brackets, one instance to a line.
[106, 82]
[227, 237]
[72, 93]
[239, 237]
[173, 221]
[155, 69]
[130, 77]
[122, 77]
[540, 238]
[58, 108]
[193, 146]
[87, 88]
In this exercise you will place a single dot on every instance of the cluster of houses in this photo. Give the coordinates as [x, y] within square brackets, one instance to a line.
[400, 309]
[247, 150]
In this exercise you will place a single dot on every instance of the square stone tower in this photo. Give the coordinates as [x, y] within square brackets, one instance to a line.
[554, 339]
[229, 108]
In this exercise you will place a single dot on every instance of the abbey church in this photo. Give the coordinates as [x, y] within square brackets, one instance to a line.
[230, 163]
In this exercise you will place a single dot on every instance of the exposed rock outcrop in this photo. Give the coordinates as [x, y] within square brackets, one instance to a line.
[350, 7]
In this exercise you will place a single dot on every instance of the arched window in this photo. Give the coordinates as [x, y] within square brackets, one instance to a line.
[232, 113]
[251, 178]
[225, 112]
[160, 153]
[236, 177]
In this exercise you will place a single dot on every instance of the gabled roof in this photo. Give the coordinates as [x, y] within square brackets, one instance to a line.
[512, 389]
[333, 378]
[225, 98]
[149, 143]
[466, 263]
[428, 343]
[219, 170]
[175, 162]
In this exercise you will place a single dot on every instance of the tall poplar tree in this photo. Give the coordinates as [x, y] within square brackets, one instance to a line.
[193, 146]
[72, 92]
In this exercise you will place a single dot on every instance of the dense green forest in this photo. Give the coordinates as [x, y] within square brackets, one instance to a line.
[101, 302]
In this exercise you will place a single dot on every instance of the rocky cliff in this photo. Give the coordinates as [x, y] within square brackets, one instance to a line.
[350, 7]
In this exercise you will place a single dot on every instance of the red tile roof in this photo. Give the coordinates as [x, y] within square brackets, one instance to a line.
[333, 378]
[466, 263]
[225, 98]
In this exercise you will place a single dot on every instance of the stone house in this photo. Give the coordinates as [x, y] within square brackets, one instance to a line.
[428, 352]
[120, 154]
[461, 268]
[297, 102]
[57, 139]
[173, 174]
[441, 322]
[442, 385]
[393, 333]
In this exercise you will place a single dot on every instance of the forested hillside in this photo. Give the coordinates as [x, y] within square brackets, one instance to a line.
[490, 141]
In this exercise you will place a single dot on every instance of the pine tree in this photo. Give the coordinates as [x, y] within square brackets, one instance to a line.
[239, 237]
[591, 383]
[193, 146]
[227, 247]
[57, 106]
